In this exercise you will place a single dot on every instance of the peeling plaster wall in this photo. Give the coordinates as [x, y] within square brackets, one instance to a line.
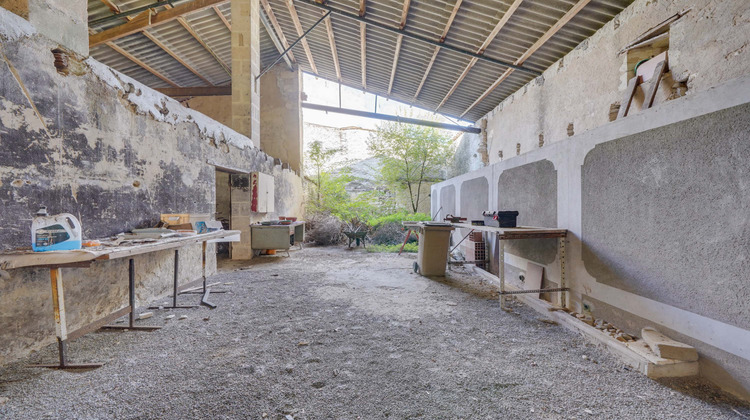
[657, 207]
[709, 45]
[114, 153]
[218, 108]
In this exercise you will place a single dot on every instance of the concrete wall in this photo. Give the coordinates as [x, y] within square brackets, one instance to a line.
[707, 46]
[219, 108]
[114, 153]
[656, 205]
[281, 113]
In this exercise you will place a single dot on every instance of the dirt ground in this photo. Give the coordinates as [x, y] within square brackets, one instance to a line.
[334, 333]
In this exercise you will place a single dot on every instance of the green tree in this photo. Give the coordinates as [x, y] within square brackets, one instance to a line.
[318, 160]
[410, 156]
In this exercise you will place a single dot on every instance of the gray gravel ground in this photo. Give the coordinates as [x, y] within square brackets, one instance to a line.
[331, 333]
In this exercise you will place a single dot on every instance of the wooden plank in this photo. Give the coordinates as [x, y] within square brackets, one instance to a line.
[404, 14]
[454, 12]
[277, 28]
[197, 91]
[165, 244]
[363, 53]
[362, 7]
[332, 43]
[518, 230]
[141, 63]
[667, 348]
[627, 100]
[396, 54]
[653, 87]
[137, 25]
[98, 323]
[223, 18]
[113, 7]
[528, 53]
[437, 49]
[172, 54]
[300, 33]
[491, 37]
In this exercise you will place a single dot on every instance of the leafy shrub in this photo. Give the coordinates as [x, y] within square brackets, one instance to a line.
[324, 229]
[410, 247]
[399, 217]
[388, 234]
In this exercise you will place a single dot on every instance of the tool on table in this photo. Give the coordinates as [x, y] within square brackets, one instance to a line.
[61, 232]
[500, 218]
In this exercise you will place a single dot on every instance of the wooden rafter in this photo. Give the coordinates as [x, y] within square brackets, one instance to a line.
[223, 18]
[332, 42]
[396, 53]
[528, 53]
[300, 33]
[437, 49]
[491, 37]
[147, 20]
[194, 34]
[399, 40]
[362, 7]
[172, 54]
[276, 27]
[197, 91]
[116, 9]
[141, 63]
[363, 53]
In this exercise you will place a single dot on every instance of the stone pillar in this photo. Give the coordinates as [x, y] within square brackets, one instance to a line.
[281, 113]
[241, 199]
[245, 67]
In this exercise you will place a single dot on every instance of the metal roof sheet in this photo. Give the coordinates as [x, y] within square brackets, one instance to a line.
[473, 23]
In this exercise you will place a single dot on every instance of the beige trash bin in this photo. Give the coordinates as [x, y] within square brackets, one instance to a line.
[434, 241]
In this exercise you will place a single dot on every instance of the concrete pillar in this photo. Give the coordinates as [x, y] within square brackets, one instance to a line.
[245, 67]
[241, 200]
[281, 113]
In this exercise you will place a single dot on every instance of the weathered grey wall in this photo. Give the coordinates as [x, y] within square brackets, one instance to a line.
[656, 207]
[116, 154]
[709, 45]
[531, 190]
[281, 114]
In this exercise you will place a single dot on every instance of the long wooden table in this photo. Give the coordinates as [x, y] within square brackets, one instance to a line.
[55, 261]
[525, 232]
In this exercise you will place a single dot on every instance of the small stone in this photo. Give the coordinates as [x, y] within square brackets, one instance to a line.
[264, 415]
[318, 385]
[451, 303]
[206, 318]
[620, 337]
[119, 321]
[584, 357]
[549, 321]
[303, 343]
[4, 400]
[229, 283]
[161, 307]
[289, 369]
[182, 317]
[169, 316]
[587, 411]
[145, 315]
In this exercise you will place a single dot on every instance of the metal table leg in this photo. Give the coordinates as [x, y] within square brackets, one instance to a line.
[206, 290]
[563, 297]
[131, 294]
[175, 293]
[501, 260]
[61, 326]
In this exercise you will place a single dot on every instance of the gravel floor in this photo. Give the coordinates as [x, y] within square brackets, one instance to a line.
[332, 333]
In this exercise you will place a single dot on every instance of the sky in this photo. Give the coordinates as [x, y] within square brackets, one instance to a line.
[323, 92]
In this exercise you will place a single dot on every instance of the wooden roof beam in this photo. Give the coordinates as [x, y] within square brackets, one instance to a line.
[491, 37]
[198, 38]
[197, 91]
[363, 52]
[538, 44]
[141, 63]
[277, 28]
[223, 18]
[300, 33]
[116, 9]
[362, 7]
[437, 49]
[399, 40]
[332, 42]
[147, 20]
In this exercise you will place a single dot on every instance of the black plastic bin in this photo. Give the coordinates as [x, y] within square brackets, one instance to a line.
[500, 218]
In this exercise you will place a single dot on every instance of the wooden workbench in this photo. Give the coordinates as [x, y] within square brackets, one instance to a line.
[525, 232]
[55, 261]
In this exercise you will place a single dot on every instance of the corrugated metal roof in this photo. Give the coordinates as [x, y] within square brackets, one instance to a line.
[473, 23]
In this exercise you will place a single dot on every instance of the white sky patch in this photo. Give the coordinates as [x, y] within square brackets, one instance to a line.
[324, 92]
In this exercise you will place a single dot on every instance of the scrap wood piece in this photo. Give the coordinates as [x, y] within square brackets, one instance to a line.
[667, 348]
[628, 98]
[654, 86]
